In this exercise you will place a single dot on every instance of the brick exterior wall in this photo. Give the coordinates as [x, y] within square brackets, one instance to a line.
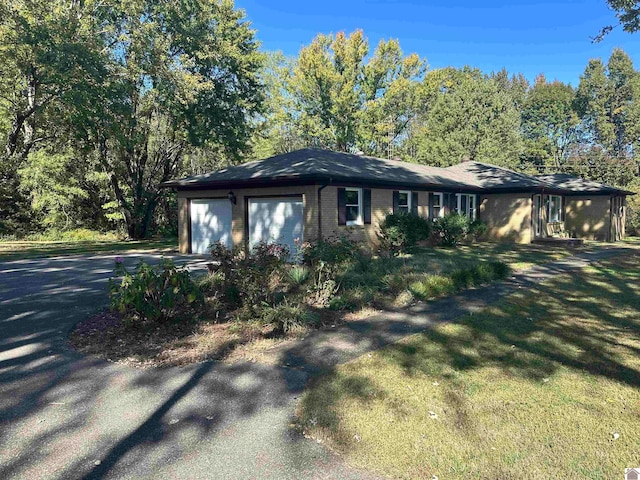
[381, 205]
[588, 217]
[508, 216]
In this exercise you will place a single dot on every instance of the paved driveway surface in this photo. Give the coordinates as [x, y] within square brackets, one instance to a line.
[66, 416]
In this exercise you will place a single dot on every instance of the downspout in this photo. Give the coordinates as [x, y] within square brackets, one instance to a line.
[544, 217]
[532, 226]
[319, 199]
[609, 236]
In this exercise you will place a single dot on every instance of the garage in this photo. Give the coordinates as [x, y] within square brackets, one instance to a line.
[210, 222]
[276, 220]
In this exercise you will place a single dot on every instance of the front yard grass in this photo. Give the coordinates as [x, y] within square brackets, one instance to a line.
[434, 272]
[544, 384]
[19, 250]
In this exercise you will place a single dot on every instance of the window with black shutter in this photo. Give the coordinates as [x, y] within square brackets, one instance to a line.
[436, 205]
[350, 206]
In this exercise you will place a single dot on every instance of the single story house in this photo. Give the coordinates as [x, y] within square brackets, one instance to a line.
[313, 193]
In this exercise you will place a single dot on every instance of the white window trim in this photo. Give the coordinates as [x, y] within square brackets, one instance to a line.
[408, 192]
[473, 211]
[359, 220]
[559, 209]
[440, 195]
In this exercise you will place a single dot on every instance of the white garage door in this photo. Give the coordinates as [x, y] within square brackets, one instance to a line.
[210, 222]
[275, 220]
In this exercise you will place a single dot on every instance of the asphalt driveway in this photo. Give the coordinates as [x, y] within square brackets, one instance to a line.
[63, 415]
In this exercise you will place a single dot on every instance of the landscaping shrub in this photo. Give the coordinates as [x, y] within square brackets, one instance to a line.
[328, 258]
[401, 231]
[253, 278]
[478, 229]
[333, 250]
[451, 229]
[322, 292]
[298, 275]
[157, 294]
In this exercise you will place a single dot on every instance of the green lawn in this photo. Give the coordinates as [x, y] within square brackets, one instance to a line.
[432, 272]
[16, 250]
[544, 384]
[516, 256]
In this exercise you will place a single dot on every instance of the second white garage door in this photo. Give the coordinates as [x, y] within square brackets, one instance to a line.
[276, 220]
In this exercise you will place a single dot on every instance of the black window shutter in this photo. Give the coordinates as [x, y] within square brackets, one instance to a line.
[431, 205]
[414, 203]
[396, 201]
[366, 205]
[342, 206]
[562, 209]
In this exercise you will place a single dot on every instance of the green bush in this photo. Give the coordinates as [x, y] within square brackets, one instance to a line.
[633, 209]
[401, 231]
[353, 299]
[73, 235]
[478, 229]
[451, 229]
[250, 278]
[157, 294]
[333, 250]
[328, 259]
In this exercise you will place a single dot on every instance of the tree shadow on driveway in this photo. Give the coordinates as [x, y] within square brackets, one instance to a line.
[63, 415]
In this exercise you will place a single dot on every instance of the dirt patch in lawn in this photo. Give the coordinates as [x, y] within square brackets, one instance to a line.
[145, 345]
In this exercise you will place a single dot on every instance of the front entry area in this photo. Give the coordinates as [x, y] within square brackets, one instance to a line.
[276, 220]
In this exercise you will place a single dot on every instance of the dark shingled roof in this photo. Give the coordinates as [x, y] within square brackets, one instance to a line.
[314, 165]
[579, 185]
[491, 177]
[325, 165]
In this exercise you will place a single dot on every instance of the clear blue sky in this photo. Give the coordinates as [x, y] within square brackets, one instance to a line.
[526, 36]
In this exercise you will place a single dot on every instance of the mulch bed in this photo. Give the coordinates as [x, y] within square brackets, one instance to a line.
[144, 345]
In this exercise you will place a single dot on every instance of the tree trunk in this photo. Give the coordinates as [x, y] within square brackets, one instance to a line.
[24, 121]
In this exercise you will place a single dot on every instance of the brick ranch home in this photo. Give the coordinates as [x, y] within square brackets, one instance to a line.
[313, 193]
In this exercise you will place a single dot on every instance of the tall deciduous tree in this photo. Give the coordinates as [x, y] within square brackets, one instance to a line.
[49, 53]
[605, 95]
[325, 84]
[550, 123]
[628, 15]
[182, 75]
[391, 101]
[278, 128]
[469, 118]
